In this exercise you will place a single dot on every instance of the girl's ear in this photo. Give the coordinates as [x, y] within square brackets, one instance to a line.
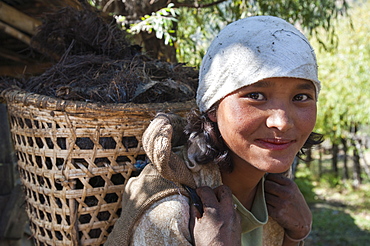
[212, 115]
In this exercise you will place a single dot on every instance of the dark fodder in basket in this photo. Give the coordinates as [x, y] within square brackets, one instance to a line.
[99, 78]
[97, 64]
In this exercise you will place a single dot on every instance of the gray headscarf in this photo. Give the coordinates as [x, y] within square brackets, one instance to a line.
[252, 49]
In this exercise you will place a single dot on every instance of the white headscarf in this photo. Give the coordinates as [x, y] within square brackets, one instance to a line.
[250, 50]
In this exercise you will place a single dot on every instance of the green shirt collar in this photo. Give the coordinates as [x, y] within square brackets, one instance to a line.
[258, 215]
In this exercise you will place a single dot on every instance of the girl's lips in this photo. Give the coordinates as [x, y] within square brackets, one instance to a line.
[275, 143]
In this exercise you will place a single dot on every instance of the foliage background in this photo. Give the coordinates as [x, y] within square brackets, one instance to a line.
[340, 207]
[198, 26]
[344, 72]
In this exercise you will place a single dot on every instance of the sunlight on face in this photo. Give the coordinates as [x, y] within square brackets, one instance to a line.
[265, 124]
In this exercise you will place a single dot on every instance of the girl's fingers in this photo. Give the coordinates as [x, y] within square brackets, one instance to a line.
[207, 196]
[224, 195]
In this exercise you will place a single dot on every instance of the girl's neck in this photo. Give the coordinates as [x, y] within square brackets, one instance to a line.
[243, 181]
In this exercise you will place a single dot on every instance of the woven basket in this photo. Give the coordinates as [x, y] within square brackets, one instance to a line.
[75, 159]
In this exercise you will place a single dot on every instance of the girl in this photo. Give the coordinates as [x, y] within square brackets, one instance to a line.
[257, 95]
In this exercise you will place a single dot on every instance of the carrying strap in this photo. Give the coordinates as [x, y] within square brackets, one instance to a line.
[140, 193]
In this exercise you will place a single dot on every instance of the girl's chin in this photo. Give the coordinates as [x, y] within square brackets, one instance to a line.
[277, 166]
[279, 171]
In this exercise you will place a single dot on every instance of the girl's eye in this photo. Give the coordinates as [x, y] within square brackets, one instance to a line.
[301, 97]
[255, 96]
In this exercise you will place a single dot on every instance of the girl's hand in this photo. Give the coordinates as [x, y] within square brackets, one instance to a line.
[220, 223]
[286, 204]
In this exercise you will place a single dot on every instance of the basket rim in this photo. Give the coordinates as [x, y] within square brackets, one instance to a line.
[16, 95]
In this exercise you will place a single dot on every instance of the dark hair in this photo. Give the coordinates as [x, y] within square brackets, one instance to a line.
[207, 145]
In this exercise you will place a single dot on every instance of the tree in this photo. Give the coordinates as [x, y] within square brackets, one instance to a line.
[344, 101]
[197, 21]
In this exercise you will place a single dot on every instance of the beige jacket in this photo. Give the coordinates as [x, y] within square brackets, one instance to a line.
[155, 207]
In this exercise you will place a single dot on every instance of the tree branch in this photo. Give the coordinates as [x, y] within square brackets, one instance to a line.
[15, 33]
[18, 19]
[195, 4]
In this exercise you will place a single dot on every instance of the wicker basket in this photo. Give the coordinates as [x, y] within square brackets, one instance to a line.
[75, 159]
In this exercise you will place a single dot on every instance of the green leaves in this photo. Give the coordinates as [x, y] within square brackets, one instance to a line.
[197, 27]
[160, 22]
[344, 101]
[190, 25]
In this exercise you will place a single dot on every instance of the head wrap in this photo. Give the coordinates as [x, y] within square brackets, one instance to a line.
[252, 49]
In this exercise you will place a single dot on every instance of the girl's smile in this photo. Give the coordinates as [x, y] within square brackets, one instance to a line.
[274, 143]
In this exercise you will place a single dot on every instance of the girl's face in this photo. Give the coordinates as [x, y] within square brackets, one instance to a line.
[265, 124]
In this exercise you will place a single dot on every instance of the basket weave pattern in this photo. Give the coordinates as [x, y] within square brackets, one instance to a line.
[75, 159]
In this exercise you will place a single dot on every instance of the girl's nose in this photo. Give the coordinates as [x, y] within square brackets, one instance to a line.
[280, 119]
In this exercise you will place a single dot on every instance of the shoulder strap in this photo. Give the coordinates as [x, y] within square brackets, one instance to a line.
[140, 193]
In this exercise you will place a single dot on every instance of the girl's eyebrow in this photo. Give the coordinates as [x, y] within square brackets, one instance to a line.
[306, 86]
[262, 84]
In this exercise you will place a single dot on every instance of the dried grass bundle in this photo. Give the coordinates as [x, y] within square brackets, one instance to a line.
[90, 33]
[98, 64]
